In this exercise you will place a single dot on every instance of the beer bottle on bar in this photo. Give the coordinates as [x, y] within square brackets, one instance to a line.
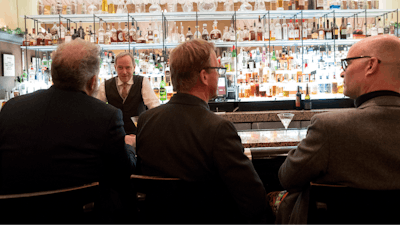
[307, 100]
[298, 98]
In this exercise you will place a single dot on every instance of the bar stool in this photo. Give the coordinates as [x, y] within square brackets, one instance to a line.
[340, 204]
[68, 205]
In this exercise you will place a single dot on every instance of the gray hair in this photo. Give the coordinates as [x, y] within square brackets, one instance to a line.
[122, 54]
[74, 64]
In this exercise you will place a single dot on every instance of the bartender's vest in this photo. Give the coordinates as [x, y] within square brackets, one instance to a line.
[133, 105]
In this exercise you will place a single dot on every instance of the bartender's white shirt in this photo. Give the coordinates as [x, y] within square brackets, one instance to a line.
[149, 97]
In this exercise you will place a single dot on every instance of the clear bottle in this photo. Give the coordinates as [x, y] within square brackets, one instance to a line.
[40, 39]
[296, 31]
[204, 34]
[259, 30]
[278, 30]
[132, 33]
[88, 34]
[101, 33]
[215, 34]
[33, 39]
[182, 37]
[272, 30]
[386, 29]
[245, 33]
[54, 29]
[107, 35]
[232, 33]
[380, 27]
[291, 31]
[374, 30]
[140, 39]
[68, 36]
[197, 33]
[125, 33]
[120, 33]
[226, 36]
[285, 33]
[189, 34]
[304, 30]
[349, 31]
[266, 32]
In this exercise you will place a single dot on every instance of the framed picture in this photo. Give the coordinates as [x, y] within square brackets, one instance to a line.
[9, 65]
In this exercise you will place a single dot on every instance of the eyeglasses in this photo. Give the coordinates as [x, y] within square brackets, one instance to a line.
[220, 70]
[345, 62]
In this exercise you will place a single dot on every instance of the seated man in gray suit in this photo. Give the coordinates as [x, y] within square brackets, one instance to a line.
[356, 147]
[184, 139]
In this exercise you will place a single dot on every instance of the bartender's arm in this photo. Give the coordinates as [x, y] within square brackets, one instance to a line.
[149, 97]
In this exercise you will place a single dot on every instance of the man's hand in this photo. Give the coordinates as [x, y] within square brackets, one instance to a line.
[130, 140]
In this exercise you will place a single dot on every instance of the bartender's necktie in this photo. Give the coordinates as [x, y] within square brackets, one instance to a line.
[124, 92]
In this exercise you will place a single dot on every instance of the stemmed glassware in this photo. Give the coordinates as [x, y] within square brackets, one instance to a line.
[91, 8]
[155, 7]
[285, 118]
[245, 6]
[208, 6]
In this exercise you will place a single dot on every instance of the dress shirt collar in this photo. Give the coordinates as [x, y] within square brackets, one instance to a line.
[365, 97]
[188, 99]
[119, 82]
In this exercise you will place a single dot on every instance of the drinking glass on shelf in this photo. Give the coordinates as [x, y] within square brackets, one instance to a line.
[208, 6]
[155, 7]
[229, 6]
[285, 118]
[188, 6]
[245, 6]
[259, 5]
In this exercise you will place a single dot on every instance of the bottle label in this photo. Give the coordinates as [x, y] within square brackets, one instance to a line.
[315, 36]
[297, 101]
[296, 34]
[121, 37]
[336, 31]
[304, 33]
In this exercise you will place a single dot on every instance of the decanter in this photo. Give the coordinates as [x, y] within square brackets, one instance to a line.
[197, 33]
[228, 6]
[188, 6]
[245, 6]
[154, 8]
[215, 34]
[208, 6]
[204, 34]
[227, 35]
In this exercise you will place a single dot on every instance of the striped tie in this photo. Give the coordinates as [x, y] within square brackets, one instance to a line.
[124, 92]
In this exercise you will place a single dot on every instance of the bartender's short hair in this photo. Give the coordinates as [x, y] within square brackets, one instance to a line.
[74, 64]
[186, 62]
[122, 54]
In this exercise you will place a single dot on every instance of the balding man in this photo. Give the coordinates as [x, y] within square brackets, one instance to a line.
[356, 147]
[63, 137]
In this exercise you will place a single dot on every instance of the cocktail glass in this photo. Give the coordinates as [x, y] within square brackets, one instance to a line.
[135, 120]
[285, 118]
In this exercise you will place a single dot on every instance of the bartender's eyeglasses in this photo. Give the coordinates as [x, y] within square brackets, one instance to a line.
[221, 70]
[345, 62]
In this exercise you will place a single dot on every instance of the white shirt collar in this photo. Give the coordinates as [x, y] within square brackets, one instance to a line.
[119, 82]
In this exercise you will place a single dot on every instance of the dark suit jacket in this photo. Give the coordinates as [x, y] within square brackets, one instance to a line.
[53, 139]
[184, 139]
[357, 148]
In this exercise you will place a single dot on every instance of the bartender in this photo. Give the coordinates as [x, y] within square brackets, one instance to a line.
[128, 92]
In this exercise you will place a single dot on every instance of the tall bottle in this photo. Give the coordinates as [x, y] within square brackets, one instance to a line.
[189, 34]
[307, 100]
[321, 32]
[380, 27]
[304, 31]
[296, 31]
[285, 30]
[298, 98]
[320, 4]
[163, 91]
[343, 30]
[81, 32]
[259, 30]
[278, 30]
[132, 33]
[107, 35]
[314, 32]
[114, 36]
[204, 34]
[120, 33]
[197, 33]
[252, 33]
[328, 32]
[291, 31]
[335, 29]
[349, 31]
[104, 6]
[101, 33]
[125, 32]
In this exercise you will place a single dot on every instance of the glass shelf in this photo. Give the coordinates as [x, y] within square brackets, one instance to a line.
[11, 38]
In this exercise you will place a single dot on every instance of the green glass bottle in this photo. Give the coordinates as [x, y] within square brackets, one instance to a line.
[163, 91]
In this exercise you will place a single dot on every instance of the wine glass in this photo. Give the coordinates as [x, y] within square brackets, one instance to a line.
[285, 118]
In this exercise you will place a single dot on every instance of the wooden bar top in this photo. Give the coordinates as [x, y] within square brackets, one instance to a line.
[272, 138]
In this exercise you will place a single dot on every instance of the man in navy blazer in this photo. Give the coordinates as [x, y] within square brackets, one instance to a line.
[184, 139]
[357, 147]
[63, 137]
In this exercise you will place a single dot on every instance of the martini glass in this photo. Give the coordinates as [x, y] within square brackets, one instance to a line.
[285, 118]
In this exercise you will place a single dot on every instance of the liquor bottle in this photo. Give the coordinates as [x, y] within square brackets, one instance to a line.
[273, 4]
[284, 30]
[374, 30]
[87, 36]
[298, 98]
[245, 33]
[335, 29]
[91, 39]
[81, 32]
[132, 33]
[54, 29]
[226, 36]
[280, 5]
[197, 33]
[272, 31]
[75, 35]
[126, 33]
[314, 32]
[189, 34]
[319, 5]
[266, 32]
[62, 32]
[304, 30]
[120, 34]
[156, 88]
[259, 30]
[278, 30]
[104, 6]
[215, 33]
[33, 39]
[232, 33]
[328, 32]
[251, 63]
[291, 31]
[349, 31]
[307, 100]
[114, 35]
[309, 31]
[204, 34]
[101, 34]
[68, 36]
[380, 27]
[163, 92]
[182, 37]
[343, 30]
[140, 39]
[107, 35]
[386, 28]
[321, 32]
[40, 39]
[252, 33]
[296, 31]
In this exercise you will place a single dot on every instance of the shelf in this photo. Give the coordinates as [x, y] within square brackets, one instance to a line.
[207, 16]
[11, 38]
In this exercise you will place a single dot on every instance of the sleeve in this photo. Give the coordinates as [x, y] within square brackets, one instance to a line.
[308, 161]
[149, 97]
[101, 93]
[238, 173]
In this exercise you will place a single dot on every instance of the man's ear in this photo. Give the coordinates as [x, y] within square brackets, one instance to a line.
[204, 77]
[373, 65]
[91, 83]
